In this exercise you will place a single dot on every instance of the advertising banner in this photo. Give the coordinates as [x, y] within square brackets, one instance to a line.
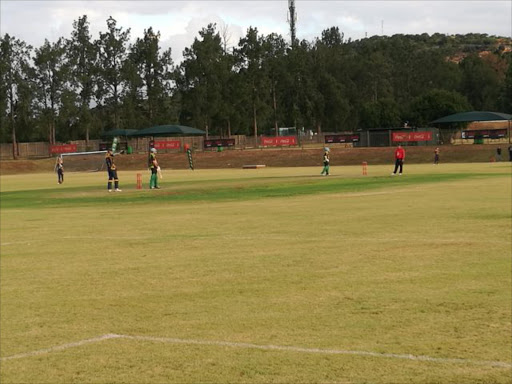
[219, 143]
[485, 134]
[278, 141]
[354, 138]
[63, 148]
[412, 136]
[171, 144]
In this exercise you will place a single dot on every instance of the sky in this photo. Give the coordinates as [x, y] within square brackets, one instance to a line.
[180, 21]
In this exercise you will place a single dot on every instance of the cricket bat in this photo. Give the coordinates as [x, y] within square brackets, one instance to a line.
[159, 171]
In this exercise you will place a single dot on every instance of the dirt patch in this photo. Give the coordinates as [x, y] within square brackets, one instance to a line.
[285, 157]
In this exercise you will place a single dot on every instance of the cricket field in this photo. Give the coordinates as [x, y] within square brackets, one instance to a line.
[272, 275]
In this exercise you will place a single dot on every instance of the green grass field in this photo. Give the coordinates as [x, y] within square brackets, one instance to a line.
[274, 275]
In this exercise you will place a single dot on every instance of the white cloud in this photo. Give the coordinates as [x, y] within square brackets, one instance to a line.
[180, 21]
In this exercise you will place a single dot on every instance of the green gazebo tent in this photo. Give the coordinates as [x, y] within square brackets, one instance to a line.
[463, 117]
[466, 117]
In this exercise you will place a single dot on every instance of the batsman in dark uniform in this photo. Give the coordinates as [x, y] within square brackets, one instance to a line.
[112, 172]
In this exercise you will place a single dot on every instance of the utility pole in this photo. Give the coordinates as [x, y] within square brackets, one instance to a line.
[292, 19]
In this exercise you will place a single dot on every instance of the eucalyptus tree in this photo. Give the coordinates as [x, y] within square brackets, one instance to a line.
[199, 79]
[378, 82]
[330, 81]
[153, 74]
[480, 83]
[50, 76]
[381, 113]
[445, 74]
[506, 91]
[319, 76]
[82, 56]
[422, 68]
[404, 54]
[249, 57]
[275, 70]
[228, 115]
[133, 108]
[113, 53]
[14, 98]
[301, 84]
[436, 103]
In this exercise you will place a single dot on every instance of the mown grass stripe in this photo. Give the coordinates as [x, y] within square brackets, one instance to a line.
[211, 192]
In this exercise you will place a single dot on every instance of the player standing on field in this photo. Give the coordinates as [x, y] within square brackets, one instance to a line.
[59, 168]
[153, 166]
[326, 162]
[399, 159]
[436, 156]
[112, 171]
[498, 154]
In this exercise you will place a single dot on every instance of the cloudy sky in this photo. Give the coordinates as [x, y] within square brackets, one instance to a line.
[179, 21]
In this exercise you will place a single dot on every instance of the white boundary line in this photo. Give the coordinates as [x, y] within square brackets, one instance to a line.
[60, 347]
[261, 347]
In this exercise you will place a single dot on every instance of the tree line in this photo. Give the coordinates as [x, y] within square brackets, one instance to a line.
[79, 87]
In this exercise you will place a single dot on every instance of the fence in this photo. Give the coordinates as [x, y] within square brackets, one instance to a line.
[42, 149]
[137, 145]
[384, 137]
[370, 138]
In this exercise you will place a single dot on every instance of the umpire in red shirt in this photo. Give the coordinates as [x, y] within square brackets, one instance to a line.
[399, 159]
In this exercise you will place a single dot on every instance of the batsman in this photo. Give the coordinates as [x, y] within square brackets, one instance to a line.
[112, 171]
[153, 166]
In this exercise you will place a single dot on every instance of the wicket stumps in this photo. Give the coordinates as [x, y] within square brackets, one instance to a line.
[139, 181]
[365, 168]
